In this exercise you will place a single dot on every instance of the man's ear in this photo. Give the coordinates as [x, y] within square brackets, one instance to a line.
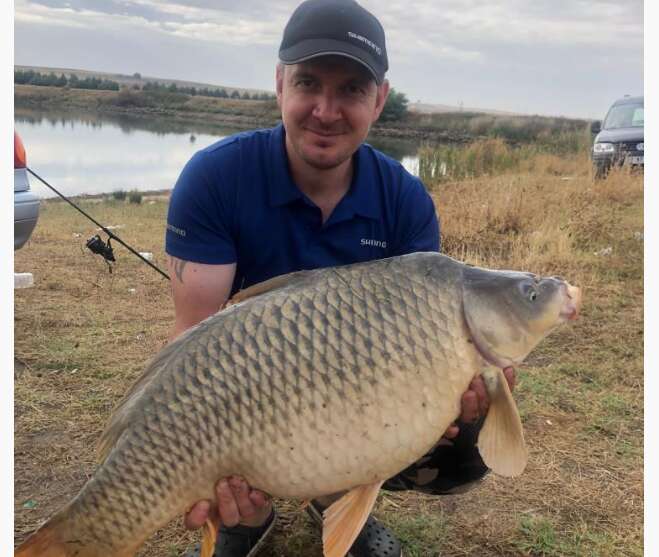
[381, 98]
[279, 82]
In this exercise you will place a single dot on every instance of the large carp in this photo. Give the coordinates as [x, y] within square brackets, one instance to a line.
[310, 384]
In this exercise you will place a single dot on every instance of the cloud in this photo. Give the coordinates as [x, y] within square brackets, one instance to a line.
[196, 22]
[467, 29]
[520, 54]
[460, 30]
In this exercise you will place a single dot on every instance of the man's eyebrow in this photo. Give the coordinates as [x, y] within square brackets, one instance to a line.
[356, 78]
[298, 73]
[360, 79]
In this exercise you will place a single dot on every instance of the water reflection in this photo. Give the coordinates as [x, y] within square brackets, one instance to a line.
[127, 123]
[92, 154]
[403, 150]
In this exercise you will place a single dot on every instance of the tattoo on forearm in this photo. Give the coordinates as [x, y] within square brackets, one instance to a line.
[179, 265]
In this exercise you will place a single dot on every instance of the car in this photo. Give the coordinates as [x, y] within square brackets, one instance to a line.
[26, 203]
[619, 139]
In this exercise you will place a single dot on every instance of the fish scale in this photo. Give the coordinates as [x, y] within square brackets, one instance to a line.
[333, 379]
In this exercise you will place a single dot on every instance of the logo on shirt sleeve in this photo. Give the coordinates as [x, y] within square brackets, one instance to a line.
[375, 243]
[176, 230]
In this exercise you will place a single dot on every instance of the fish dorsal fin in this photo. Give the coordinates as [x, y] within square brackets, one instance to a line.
[501, 439]
[270, 284]
[345, 518]
[121, 416]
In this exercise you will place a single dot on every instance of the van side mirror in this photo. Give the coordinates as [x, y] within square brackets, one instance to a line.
[596, 127]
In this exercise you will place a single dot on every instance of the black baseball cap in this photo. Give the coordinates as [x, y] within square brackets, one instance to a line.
[338, 27]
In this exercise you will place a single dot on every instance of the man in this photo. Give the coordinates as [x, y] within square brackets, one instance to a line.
[307, 194]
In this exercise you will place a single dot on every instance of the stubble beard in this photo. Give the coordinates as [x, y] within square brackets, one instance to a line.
[328, 164]
[317, 162]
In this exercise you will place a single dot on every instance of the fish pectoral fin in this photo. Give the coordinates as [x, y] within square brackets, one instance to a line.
[209, 537]
[345, 518]
[501, 439]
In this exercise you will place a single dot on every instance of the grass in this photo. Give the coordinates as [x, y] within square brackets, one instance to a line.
[539, 537]
[496, 156]
[82, 335]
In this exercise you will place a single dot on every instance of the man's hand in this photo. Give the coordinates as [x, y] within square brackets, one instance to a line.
[236, 503]
[475, 401]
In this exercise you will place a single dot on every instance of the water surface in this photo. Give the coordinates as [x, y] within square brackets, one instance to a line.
[91, 154]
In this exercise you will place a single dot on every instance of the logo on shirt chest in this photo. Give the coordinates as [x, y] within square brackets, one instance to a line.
[375, 243]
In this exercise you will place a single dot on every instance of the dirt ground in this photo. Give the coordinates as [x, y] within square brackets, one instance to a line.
[82, 335]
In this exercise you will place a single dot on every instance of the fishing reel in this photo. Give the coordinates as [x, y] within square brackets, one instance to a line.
[97, 246]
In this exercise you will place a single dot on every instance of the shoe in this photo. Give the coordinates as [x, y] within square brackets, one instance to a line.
[239, 541]
[375, 539]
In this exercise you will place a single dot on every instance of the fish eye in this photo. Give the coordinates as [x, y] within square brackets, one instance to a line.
[528, 290]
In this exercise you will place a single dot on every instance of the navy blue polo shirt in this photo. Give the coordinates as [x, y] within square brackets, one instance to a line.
[235, 202]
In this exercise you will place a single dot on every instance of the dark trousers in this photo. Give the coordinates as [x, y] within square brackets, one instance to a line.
[451, 466]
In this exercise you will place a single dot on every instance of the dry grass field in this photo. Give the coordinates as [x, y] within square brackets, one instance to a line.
[82, 335]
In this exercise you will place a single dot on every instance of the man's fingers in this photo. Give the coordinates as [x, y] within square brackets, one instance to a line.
[240, 491]
[258, 498]
[478, 386]
[197, 515]
[469, 407]
[226, 504]
[452, 432]
[509, 374]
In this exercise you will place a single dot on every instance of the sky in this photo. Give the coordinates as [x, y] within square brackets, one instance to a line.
[551, 57]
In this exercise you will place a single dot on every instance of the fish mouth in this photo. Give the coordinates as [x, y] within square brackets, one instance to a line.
[572, 306]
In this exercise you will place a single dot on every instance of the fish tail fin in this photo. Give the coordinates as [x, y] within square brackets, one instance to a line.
[345, 518]
[52, 539]
[501, 439]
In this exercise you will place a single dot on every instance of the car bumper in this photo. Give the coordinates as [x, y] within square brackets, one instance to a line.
[26, 214]
[606, 161]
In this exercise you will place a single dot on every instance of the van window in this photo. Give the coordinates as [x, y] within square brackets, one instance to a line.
[624, 116]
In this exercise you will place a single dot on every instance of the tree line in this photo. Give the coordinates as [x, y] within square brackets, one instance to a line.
[206, 92]
[395, 107]
[30, 77]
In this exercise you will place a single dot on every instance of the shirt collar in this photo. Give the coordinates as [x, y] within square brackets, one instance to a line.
[361, 199]
[282, 190]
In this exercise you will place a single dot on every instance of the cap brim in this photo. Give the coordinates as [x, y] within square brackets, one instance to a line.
[315, 48]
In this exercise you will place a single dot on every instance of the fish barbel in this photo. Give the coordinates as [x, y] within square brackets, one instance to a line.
[310, 384]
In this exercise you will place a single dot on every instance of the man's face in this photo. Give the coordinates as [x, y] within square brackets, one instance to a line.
[327, 105]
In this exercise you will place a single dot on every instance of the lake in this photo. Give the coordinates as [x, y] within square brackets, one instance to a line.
[94, 154]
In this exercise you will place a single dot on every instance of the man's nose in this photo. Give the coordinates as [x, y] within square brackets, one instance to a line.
[327, 108]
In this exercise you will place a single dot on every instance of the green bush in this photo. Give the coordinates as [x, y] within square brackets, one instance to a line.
[135, 197]
[126, 98]
[166, 98]
[119, 195]
[395, 108]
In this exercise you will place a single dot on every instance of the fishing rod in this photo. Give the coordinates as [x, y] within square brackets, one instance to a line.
[95, 244]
